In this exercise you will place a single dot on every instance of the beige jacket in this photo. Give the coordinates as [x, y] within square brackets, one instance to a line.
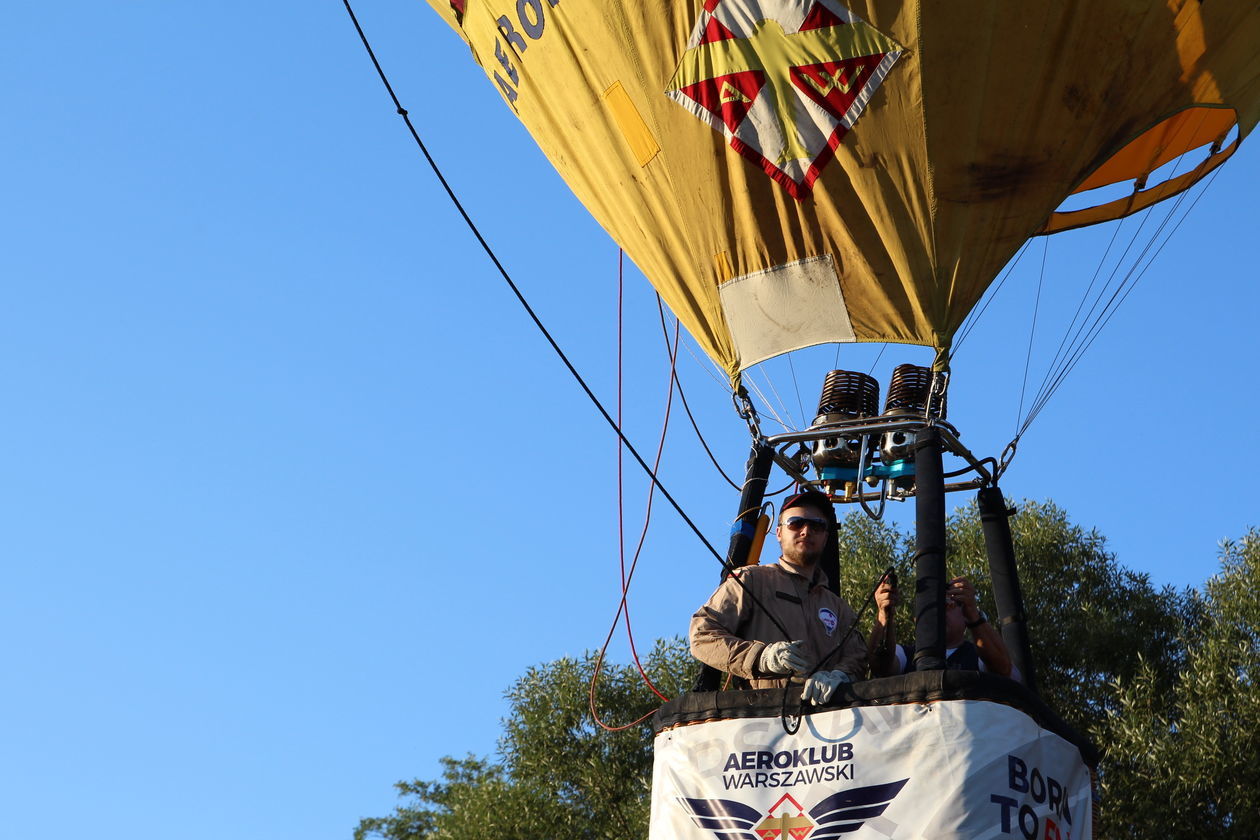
[730, 631]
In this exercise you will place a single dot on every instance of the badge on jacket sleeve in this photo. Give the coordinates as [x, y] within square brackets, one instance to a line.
[829, 620]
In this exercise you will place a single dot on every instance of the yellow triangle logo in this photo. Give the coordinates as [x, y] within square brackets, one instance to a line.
[730, 93]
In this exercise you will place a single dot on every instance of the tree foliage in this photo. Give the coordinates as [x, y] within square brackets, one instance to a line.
[558, 775]
[1181, 759]
[1090, 620]
[1164, 681]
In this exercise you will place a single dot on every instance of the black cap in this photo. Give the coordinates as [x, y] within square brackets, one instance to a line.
[813, 499]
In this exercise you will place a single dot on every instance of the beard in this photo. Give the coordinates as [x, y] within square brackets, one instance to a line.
[802, 555]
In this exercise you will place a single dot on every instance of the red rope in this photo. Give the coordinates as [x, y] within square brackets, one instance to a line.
[646, 520]
[626, 576]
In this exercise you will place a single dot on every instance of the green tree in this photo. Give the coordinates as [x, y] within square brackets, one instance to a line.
[1181, 752]
[557, 774]
[1164, 681]
[1090, 620]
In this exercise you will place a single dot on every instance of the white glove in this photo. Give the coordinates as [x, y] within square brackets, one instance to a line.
[783, 658]
[819, 688]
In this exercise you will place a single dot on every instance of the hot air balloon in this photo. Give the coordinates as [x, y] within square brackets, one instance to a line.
[794, 173]
[789, 173]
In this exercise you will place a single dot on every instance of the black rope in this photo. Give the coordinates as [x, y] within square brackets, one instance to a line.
[969, 468]
[792, 723]
[870, 599]
[660, 307]
[543, 329]
[783, 489]
[516, 291]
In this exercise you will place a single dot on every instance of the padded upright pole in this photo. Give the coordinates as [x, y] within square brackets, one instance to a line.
[750, 498]
[760, 460]
[929, 585]
[1013, 624]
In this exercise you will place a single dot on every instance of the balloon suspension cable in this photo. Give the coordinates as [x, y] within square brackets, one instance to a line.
[973, 318]
[767, 404]
[784, 411]
[520, 297]
[795, 386]
[1082, 330]
[1032, 332]
[1065, 362]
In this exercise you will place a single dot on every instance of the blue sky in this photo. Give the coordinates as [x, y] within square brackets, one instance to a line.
[292, 489]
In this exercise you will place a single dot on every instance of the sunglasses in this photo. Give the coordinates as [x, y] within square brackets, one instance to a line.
[800, 523]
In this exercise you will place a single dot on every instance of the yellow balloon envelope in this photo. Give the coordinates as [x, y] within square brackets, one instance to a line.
[796, 172]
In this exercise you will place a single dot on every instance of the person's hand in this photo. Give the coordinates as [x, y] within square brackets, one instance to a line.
[819, 687]
[783, 658]
[960, 591]
[887, 598]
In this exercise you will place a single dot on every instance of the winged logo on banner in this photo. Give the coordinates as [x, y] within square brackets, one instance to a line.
[840, 813]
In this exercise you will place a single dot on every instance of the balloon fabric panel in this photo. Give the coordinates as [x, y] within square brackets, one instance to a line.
[899, 152]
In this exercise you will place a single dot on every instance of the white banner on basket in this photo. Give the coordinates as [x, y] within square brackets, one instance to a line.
[949, 769]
